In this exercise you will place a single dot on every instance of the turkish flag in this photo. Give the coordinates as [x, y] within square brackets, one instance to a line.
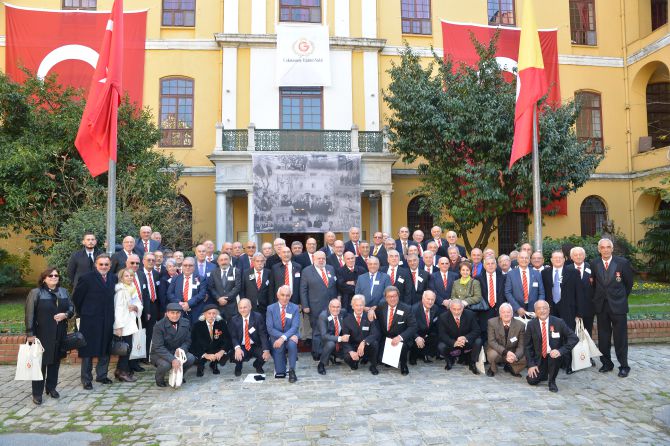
[97, 135]
[67, 43]
[458, 46]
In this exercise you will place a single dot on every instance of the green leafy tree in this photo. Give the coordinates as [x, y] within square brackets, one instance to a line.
[457, 122]
[43, 180]
[656, 242]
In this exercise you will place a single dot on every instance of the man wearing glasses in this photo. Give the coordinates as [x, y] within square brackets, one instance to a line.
[245, 261]
[188, 290]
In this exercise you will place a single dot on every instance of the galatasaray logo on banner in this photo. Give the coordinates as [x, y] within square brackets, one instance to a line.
[303, 56]
[66, 43]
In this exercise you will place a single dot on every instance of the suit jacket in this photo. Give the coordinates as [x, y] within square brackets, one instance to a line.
[344, 275]
[422, 266]
[93, 300]
[326, 326]
[228, 286]
[403, 325]
[398, 246]
[362, 263]
[437, 285]
[612, 285]
[243, 263]
[119, 259]
[368, 331]
[209, 267]
[403, 281]
[585, 306]
[257, 331]
[417, 288]
[564, 342]
[277, 280]
[514, 289]
[499, 291]
[165, 339]
[448, 330]
[374, 295]
[291, 321]
[334, 262]
[79, 264]
[422, 328]
[260, 298]
[349, 247]
[313, 291]
[272, 261]
[515, 341]
[176, 294]
[303, 259]
[139, 247]
[441, 247]
[571, 292]
[152, 310]
[328, 250]
[382, 256]
[202, 343]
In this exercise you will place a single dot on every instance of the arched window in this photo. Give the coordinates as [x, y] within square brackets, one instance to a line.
[176, 112]
[593, 215]
[416, 219]
[658, 113]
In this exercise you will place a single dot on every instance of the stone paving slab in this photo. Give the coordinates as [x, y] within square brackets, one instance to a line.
[430, 406]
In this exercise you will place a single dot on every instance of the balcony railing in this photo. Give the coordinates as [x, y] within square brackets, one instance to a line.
[275, 140]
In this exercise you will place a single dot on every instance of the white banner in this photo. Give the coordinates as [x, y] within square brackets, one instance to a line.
[303, 56]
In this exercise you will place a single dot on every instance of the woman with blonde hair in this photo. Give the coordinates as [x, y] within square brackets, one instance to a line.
[127, 308]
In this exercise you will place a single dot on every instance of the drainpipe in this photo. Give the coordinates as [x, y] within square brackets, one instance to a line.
[629, 142]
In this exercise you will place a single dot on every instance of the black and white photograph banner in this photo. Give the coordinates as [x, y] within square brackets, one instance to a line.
[306, 193]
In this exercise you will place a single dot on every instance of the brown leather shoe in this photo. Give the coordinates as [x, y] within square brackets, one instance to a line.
[125, 377]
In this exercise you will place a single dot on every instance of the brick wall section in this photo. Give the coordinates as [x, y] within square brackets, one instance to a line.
[639, 332]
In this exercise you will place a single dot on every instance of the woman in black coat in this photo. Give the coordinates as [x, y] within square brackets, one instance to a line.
[48, 307]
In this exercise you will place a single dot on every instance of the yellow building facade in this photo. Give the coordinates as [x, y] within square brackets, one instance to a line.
[616, 52]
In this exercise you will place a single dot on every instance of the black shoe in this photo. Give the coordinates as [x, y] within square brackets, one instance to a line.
[490, 372]
[507, 368]
[215, 370]
[37, 399]
[450, 364]
[259, 369]
[606, 368]
[104, 380]
[87, 386]
[138, 368]
[623, 372]
[473, 369]
[426, 360]
[200, 371]
[553, 387]
[315, 356]
[412, 362]
[461, 359]
[161, 384]
[53, 394]
[280, 375]
[373, 370]
[238, 369]
[291, 376]
[569, 371]
[321, 369]
[404, 371]
[223, 360]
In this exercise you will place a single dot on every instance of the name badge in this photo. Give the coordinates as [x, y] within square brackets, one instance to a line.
[401, 322]
[420, 279]
[252, 277]
[329, 275]
[365, 328]
[169, 280]
[144, 286]
[401, 280]
[158, 282]
[587, 270]
[399, 312]
[289, 316]
[267, 282]
[434, 319]
[535, 285]
[252, 329]
[514, 339]
[231, 277]
[297, 275]
[209, 273]
[555, 334]
[400, 263]
[376, 282]
[194, 287]
[330, 318]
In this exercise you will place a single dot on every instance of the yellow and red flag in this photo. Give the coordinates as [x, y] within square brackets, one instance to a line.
[533, 83]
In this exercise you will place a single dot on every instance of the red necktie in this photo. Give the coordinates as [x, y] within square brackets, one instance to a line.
[414, 279]
[391, 311]
[339, 259]
[186, 283]
[247, 339]
[258, 279]
[525, 287]
[358, 319]
[146, 246]
[544, 339]
[392, 276]
[324, 277]
[356, 249]
[444, 280]
[104, 279]
[137, 286]
[579, 268]
[337, 333]
[458, 322]
[152, 288]
[427, 318]
[283, 317]
[492, 293]
[286, 278]
[439, 242]
[607, 265]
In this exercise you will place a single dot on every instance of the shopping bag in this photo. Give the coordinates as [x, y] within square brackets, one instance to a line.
[480, 361]
[177, 376]
[139, 347]
[593, 348]
[29, 362]
[581, 354]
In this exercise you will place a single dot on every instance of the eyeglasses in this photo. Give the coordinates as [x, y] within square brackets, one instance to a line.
[53, 275]
[187, 265]
[103, 264]
[150, 260]
[133, 263]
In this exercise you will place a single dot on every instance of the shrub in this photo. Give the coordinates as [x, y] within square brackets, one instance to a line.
[12, 270]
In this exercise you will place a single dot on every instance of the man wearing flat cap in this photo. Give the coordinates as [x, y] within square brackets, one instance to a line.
[171, 333]
[210, 340]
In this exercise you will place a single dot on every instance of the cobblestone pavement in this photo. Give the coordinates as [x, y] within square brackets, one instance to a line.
[430, 406]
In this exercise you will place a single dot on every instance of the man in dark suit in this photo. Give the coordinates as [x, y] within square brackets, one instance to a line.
[245, 261]
[425, 342]
[318, 285]
[237, 251]
[441, 283]
[332, 336]
[347, 277]
[436, 236]
[188, 290]
[120, 257]
[171, 333]
[363, 332]
[364, 255]
[154, 299]
[286, 272]
[399, 277]
[93, 298]
[548, 339]
[249, 337]
[210, 340]
[403, 242]
[283, 325]
[420, 280]
[396, 322]
[427, 262]
[417, 237]
[353, 243]
[276, 257]
[307, 257]
[83, 261]
[336, 260]
[492, 283]
[562, 289]
[523, 286]
[329, 242]
[256, 285]
[458, 330]
[612, 283]
[452, 238]
[372, 284]
[585, 309]
[145, 243]
[377, 244]
[224, 286]
[506, 342]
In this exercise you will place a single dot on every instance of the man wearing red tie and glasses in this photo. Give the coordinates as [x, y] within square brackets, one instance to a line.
[250, 337]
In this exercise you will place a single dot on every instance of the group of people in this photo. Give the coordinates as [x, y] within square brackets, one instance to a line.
[346, 300]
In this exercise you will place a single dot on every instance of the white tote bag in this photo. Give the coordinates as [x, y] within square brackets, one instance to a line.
[29, 362]
[177, 376]
[581, 354]
[593, 348]
[139, 347]
[480, 361]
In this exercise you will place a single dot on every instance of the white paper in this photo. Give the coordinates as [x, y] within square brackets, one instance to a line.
[391, 354]
[250, 379]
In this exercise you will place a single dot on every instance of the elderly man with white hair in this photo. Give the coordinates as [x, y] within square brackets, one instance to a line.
[210, 340]
[506, 342]
[363, 342]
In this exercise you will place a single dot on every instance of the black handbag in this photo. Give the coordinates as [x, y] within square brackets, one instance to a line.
[73, 341]
[482, 305]
[119, 347]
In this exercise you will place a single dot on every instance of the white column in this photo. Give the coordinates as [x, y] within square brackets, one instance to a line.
[371, 90]
[258, 16]
[229, 89]
[369, 18]
[342, 18]
[386, 211]
[230, 230]
[221, 217]
[231, 17]
[373, 199]
[250, 216]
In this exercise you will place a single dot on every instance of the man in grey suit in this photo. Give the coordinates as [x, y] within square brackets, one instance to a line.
[372, 284]
[506, 342]
[171, 333]
[224, 284]
[317, 288]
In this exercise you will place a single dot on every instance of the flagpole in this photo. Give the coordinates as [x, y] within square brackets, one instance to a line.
[111, 208]
[537, 202]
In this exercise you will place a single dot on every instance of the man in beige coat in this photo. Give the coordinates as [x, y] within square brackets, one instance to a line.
[505, 342]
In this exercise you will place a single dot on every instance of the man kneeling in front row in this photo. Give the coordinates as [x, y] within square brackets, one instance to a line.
[250, 337]
[363, 342]
[506, 341]
[210, 341]
[170, 333]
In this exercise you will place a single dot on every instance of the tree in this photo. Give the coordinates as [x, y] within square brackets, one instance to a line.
[43, 180]
[457, 122]
[656, 242]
